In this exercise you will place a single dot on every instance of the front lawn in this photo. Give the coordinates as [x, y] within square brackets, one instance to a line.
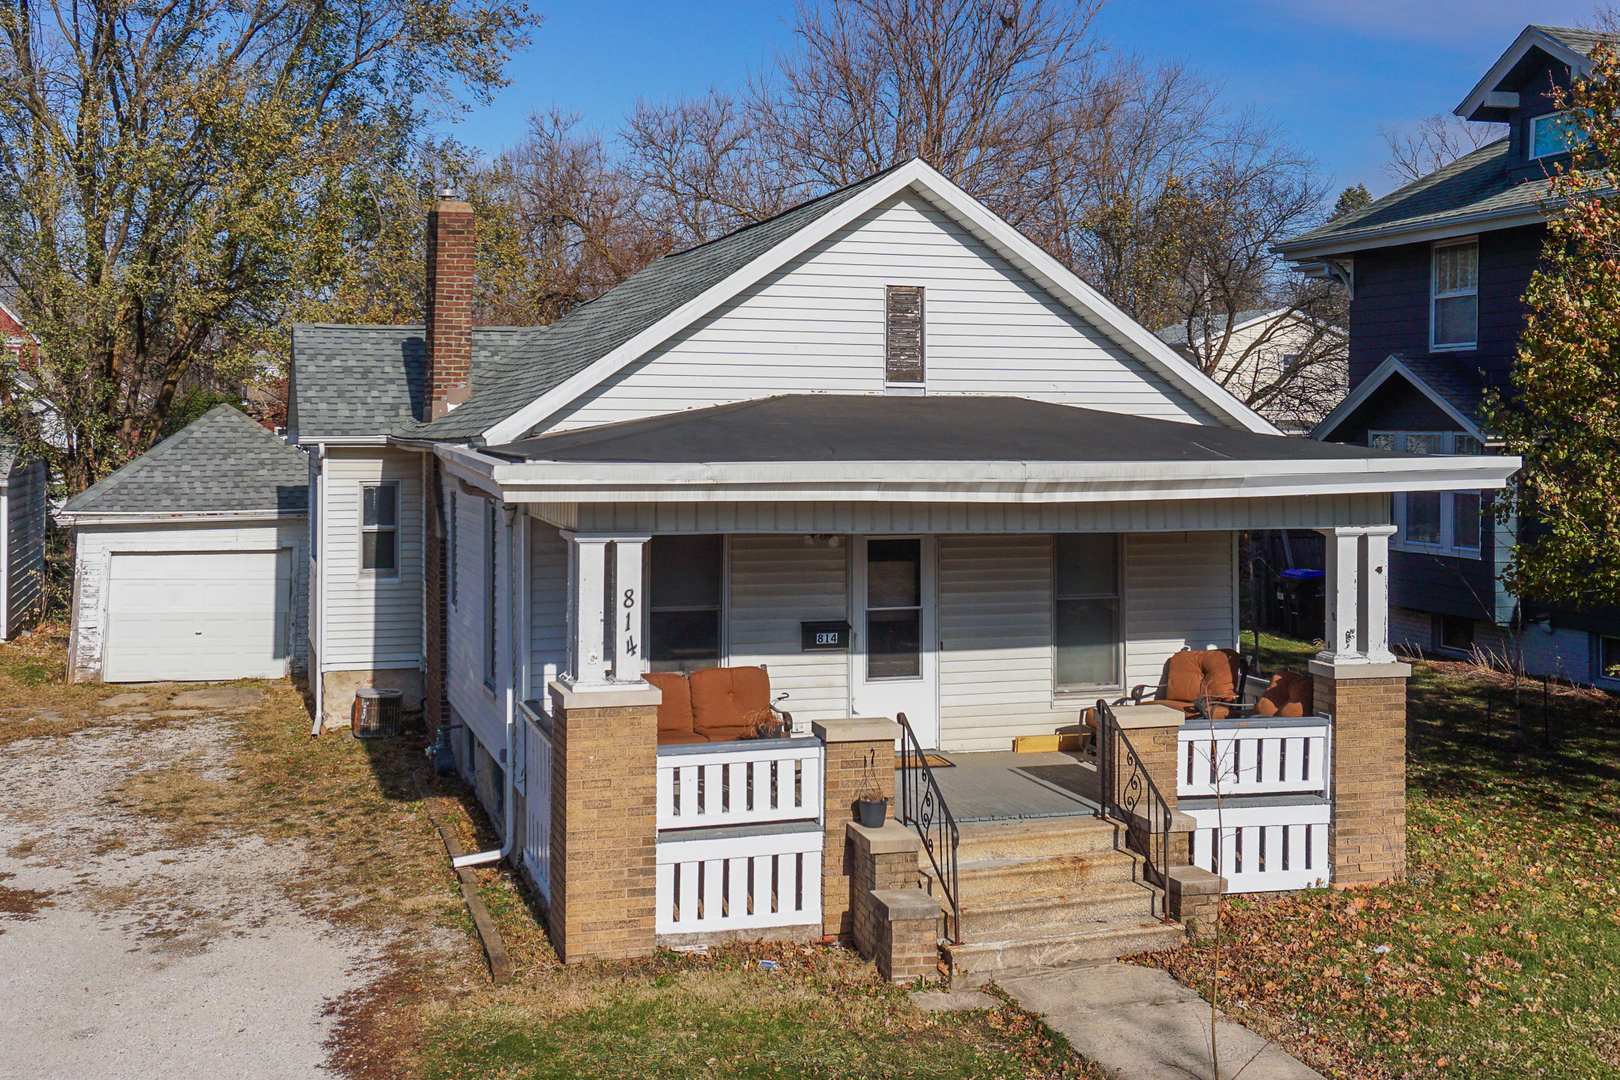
[1500, 956]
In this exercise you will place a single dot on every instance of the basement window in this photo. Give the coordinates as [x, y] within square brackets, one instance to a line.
[903, 348]
[379, 528]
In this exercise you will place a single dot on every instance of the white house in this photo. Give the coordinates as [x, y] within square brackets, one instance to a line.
[881, 446]
[190, 560]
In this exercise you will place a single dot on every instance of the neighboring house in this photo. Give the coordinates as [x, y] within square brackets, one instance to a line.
[1295, 364]
[1438, 271]
[190, 560]
[883, 447]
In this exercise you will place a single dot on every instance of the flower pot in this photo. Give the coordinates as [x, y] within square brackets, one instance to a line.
[873, 812]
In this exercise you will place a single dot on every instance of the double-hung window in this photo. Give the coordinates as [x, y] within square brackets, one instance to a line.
[1439, 522]
[379, 528]
[1454, 296]
[1087, 620]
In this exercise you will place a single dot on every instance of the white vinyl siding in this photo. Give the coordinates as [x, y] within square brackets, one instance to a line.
[995, 632]
[25, 497]
[775, 583]
[371, 621]
[477, 702]
[1180, 592]
[548, 607]
[818, 325]
[96, 547]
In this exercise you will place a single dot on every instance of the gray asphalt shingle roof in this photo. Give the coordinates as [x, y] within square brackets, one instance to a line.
[1581, 41]
[568, 346]
[1458, 385]
[221, 461]
[367, 380]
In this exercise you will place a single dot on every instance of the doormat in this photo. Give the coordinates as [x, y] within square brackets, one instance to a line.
[935, 761]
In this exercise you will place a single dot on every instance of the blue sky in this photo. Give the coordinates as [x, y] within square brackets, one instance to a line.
[1329, 71]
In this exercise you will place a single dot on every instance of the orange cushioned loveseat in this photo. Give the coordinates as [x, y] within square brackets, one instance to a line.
[717, 705]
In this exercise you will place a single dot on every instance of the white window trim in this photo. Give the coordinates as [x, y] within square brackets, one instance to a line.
[1065, 692]
[1434, 250]
[361, 528]
[1448, 508]
[1600, 676]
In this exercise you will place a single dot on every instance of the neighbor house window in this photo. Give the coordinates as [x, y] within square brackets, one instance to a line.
[1439, 522]
[379, 528]
[454, 546]
[1454, 316]
[1455, 632]
[1552, 134]
[683, 610]
[1608, 651]
[492, 517]
[1086, 611]
[903, 351]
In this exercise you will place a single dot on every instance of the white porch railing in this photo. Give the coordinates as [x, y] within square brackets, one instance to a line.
[1271, 776]
[533, 781]
[704, 785]
[740, 836]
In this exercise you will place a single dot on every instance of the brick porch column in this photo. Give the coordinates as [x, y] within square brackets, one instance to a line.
[851, 744]
[1367, 701]
[604, 822]
[1155, 734]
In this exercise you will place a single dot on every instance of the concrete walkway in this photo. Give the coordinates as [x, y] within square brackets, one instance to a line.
[1137, 1023]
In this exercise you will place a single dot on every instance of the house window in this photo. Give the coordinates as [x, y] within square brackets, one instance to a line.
[379, 528]
[1086, 611]
[1437, 522]
[491, 523]
[1454, 318]
[1455, 632]
[683, 612]
[1608, 658]
[1553, 134]
[903, 349]
[455, 550]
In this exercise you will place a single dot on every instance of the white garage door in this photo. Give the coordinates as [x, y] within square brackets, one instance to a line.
[198, 616]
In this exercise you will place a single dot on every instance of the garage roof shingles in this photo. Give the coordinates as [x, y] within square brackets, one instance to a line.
[222, 461]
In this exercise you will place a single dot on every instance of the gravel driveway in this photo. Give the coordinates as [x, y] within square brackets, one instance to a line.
[127, 951]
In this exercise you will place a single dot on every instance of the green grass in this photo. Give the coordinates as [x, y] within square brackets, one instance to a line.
[1500, 956]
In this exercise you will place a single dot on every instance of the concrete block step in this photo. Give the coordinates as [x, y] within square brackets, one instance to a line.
[986, 879]
[978, 962]
[1042, 836]
[1057, 914]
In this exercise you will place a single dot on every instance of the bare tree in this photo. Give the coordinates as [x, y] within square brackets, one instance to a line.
[1435, 143]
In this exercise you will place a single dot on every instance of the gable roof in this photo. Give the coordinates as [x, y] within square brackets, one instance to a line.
[221, 462]
[1176, 333]
[366, 381]
[1455, 390]
[547, 374]
[1565, 44]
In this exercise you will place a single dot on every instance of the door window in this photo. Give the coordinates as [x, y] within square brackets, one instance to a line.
[893, 609]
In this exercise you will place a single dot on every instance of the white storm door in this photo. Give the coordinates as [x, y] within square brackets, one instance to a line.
[197, 616]
[894, 659]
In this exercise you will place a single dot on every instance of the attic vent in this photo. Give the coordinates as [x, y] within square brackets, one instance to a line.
[903, 355]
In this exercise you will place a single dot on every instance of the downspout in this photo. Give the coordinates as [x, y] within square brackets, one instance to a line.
[321, 527]
[509, 834]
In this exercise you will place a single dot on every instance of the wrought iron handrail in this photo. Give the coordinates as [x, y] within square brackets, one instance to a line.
[922, 806]
[1130, 797]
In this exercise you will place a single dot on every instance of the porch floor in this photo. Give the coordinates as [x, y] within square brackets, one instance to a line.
[1003, 786]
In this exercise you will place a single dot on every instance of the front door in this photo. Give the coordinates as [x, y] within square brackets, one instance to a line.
[895, 662]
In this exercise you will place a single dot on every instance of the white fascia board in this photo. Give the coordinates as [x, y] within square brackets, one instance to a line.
[1528, 38]
[79, 519]
[343, 440]
[1347, 244]
[990, 481]
[1392, 365]
[470, 466]
[949, 198]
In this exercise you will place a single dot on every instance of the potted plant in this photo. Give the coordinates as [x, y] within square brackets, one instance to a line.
[871, 807]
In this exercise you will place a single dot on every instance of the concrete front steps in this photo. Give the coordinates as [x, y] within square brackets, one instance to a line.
[1046, 893]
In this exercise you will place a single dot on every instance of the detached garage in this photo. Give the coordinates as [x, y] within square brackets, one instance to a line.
[190, 560]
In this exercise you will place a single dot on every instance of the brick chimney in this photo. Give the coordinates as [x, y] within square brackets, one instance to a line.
[450, 241]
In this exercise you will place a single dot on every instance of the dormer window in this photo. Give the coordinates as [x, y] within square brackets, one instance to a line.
[1454, 307]
[1552, 134]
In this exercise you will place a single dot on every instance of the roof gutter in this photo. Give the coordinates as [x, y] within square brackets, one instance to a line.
[1346, 244]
